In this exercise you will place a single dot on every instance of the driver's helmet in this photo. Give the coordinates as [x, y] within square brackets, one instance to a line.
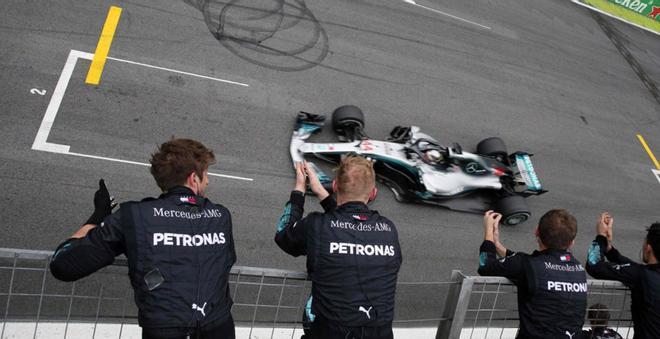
[433, 155]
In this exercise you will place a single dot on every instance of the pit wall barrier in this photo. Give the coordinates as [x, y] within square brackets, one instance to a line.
[268, 303]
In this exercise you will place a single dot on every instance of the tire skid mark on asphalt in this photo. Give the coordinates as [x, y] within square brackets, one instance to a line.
[611, 33]
[41, 140]
[646, 80]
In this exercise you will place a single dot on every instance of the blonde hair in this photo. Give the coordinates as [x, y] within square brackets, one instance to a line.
[355, 177]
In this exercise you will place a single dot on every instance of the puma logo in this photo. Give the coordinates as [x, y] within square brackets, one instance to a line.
[201, 309]
[569, 334]
[366, 311]
[618, 267]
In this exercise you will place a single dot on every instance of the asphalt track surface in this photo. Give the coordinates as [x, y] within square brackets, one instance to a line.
[541, 74]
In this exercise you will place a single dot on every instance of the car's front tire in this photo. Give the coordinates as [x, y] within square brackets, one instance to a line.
[347, 117]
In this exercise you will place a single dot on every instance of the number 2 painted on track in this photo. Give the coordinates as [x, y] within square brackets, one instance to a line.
[38, 91]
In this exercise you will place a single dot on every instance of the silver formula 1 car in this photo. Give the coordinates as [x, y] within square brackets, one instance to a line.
[417, 168]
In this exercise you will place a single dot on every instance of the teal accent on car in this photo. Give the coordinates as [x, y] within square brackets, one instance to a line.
[594, 253]
[284, 218]
[308, 128]
[308, 309]
[424, 195]
[527, 162]
[323, 177]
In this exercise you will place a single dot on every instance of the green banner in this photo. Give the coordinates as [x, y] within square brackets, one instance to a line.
[642, 13]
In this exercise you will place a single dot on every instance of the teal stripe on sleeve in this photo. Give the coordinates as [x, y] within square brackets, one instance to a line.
[482, 258]
[594, 253]
[284, 218]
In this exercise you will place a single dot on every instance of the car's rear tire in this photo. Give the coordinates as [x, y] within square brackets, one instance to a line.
[347, 116]
[397, 192]
[493, 147]
[514, 210]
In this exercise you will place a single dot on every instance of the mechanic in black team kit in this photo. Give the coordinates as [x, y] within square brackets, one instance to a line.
[180, 248]
[552, 284]
[643, 280]
[353, 253]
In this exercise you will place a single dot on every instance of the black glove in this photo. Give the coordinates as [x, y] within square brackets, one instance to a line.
[103, 205]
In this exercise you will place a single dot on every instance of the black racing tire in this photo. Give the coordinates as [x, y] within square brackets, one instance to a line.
[493, 147]
[346, 116]
[397, 192]
[514, 210]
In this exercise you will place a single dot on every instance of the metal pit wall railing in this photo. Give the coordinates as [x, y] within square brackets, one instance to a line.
[268, 303]
[486, 307]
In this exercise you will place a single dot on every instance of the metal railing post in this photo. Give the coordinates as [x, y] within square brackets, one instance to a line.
[455, 307]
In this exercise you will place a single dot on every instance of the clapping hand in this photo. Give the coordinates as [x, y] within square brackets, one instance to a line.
[492, 230]
[604, 227]
[314, 182]
[301, 178]
[305, 173]
[491, 223]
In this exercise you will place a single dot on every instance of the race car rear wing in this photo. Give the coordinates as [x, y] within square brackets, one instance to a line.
[521, 164]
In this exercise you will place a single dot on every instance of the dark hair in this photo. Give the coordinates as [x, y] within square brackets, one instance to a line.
[598, 315]
[653, 238]
[557, 229]
[176, 159]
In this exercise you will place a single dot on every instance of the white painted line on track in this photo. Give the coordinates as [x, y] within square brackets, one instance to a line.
[180, 72]
[657, 173]
[41, 140]
[53, 106]
[148, 165]
[412, 2]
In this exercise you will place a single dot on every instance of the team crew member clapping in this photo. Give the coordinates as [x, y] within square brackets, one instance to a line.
[643, 279]
[353, 253]
[552, 284]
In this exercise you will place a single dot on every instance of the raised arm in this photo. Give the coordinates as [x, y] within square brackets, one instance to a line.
[510, 265]
[618, 267]
[90, 248]
[327, 201]
[84, 254]
[288, 237]
[625, 271]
